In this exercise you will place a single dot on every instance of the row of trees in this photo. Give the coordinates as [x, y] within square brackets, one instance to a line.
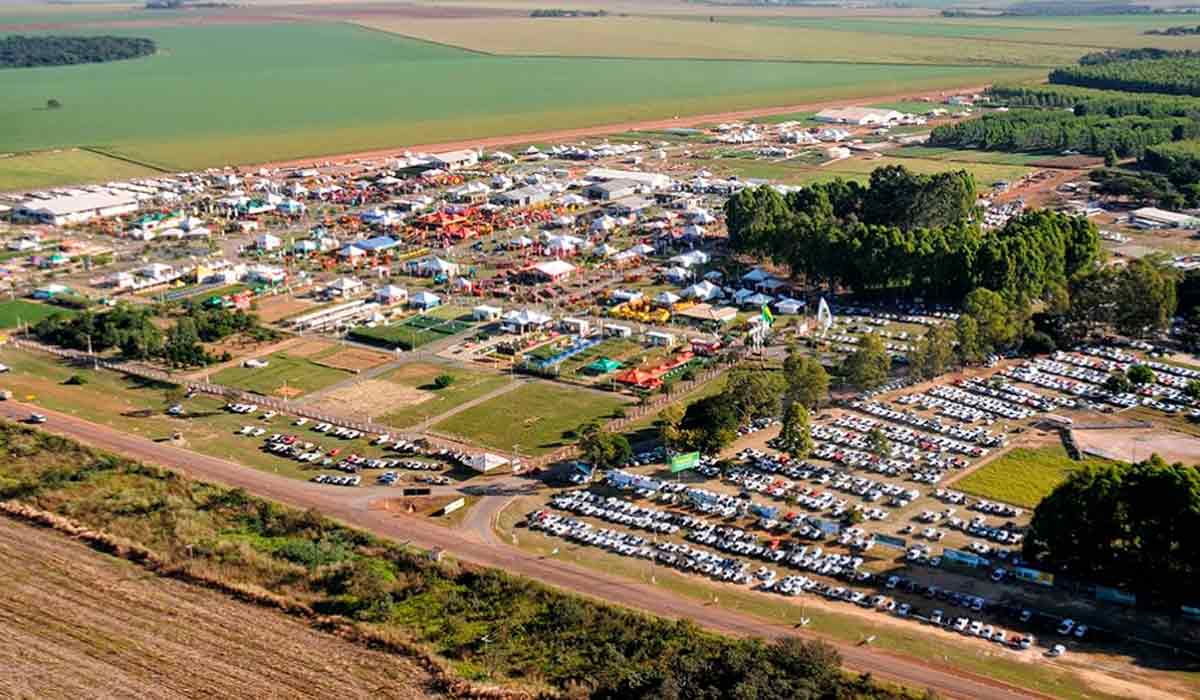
[1039, 130]
[1086, 101]
[924, 244]
[1144, 187]
[134, 332]
[1176, 75]
[1127, 525]
[19, 51]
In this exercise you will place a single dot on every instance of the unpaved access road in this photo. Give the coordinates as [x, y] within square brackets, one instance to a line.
[353, 508]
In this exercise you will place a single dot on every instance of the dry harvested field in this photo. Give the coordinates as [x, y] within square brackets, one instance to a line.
[80, 624]
[647, 37]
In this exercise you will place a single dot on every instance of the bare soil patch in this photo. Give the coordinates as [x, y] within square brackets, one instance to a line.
[308, 347]
[280, 306]
[355, 359]
[1134, 444]
[1079, 162]
[80, 624]
[370, 398]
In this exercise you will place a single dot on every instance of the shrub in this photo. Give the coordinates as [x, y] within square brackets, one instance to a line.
[443, 380]
[75, 380]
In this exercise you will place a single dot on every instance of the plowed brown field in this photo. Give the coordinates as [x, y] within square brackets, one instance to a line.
[80, 624]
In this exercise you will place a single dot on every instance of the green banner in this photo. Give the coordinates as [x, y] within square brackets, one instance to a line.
[683, 462]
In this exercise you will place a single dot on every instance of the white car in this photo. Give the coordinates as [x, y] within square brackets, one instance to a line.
[1056, 650]
[1066, 626]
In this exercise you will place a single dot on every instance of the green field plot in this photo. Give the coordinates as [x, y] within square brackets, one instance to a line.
[414, 331]
[958, 155]
[535, 416]
[30, 171]
[283, 376]
[240, 93]
[1024, 476]
[19, 312]
[429, 401]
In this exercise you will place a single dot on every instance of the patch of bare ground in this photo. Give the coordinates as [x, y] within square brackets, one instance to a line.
[79, 624]
[355, 359]
[370, 398]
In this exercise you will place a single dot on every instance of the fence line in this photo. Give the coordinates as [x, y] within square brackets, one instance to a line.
[293, 408]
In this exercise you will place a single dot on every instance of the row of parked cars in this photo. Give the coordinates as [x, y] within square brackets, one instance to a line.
[336, 480]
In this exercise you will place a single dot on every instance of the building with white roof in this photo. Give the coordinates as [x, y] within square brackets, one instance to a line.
[76, 208]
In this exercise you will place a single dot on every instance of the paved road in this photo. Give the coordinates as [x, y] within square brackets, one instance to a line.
[476, 546]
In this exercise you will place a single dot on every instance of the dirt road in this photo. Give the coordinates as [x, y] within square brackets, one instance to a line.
[608, 129]
[354, 508]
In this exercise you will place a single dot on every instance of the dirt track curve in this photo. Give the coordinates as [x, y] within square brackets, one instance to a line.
[474, 548]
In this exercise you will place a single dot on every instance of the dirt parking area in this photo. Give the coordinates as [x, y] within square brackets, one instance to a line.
[1133, 444]
[370, 398]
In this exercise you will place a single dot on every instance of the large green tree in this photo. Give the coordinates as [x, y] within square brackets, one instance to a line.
[709, 425]
[999, 325]
[754, 392]
[868, 366]
[933, 353]
[795, 435]
[1131, 526]
[602, 448]
[806, 378]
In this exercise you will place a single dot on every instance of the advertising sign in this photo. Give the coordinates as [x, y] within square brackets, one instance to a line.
[683, 462]
[453, 506]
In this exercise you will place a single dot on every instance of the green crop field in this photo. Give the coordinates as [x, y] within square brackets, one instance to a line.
[241, 93]
[1024, 476]
[17, 311]
[29, 171]
[535, 416]
[298, 374]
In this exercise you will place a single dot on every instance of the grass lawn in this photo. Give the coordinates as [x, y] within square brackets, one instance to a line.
[468, 385]
[533, 416]
[31, 171]
[298, 374]
[1024, 476]
[20, 311]
[355, 93]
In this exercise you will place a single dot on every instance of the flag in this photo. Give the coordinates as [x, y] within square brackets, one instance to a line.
[824, 316]
[767, 317]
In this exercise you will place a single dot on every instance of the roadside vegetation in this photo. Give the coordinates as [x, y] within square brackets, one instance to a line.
[487, 625]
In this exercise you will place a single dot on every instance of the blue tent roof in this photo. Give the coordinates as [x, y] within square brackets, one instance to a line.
[376, 243]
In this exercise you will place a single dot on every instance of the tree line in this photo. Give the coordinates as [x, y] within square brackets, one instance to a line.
[133, 332]
[908, 234]
[1040, 130]
[1145, 188]
[1175, 31]
[1130, 526]
[1176, 75]
[20, 51]
[1087, 101]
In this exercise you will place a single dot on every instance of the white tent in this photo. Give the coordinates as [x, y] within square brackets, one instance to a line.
[486, 462]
